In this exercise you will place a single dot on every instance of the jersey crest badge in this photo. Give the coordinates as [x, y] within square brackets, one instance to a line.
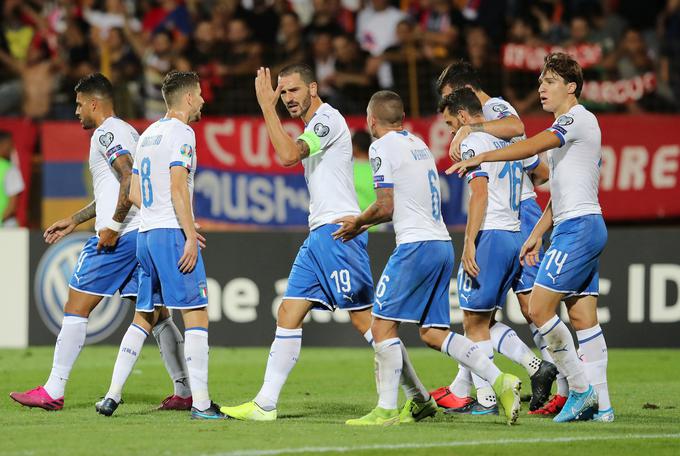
[321, 130]
[106, 139]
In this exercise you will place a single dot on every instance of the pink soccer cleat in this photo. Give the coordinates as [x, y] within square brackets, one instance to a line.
[38, 397]
[175, 402]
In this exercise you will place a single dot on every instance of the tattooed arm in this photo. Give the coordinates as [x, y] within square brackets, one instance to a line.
[108, 237]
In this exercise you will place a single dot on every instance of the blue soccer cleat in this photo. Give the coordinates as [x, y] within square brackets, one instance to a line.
[211, 413]
[577, 405]
[604, 416]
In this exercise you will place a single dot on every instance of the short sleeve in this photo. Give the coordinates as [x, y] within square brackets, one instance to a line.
[468, 149]
[322, 131]
[184, 149]
[135, 166]
[14, 183]
[382, 167]
[530, 163]
[501, 109]
[567, 128]
[115, 141]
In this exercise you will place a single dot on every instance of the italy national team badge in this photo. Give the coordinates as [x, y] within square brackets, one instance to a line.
[204, 290]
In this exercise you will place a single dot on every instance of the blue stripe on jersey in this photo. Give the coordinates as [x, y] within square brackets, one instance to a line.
[135, 171]
[559, 135]
[476, 173]
[532, 166]
[179, 163]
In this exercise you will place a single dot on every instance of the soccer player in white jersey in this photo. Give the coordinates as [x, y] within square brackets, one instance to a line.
[108, 262]
[168, 247]
[414, 286]
[327, 273]
[502, 121]
[490, 260]
[569, 271]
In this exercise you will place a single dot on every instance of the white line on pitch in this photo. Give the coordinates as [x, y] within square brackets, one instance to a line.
[402, 446]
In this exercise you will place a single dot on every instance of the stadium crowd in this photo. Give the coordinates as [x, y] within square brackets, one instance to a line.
[629, 49]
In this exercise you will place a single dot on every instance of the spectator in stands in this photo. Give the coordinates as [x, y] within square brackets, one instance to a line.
[484, 59]
[291, 47]
[519, 86]
[263, 21]
[11, 182]
[363, 174]
[439, 23]
[329, 17]
[323, 63]
[376, 31]
[354, 78]
[169, 16]
[240, 59]
[413, 71]
[669, 71]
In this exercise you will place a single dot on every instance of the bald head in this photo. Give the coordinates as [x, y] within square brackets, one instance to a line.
[387, 108]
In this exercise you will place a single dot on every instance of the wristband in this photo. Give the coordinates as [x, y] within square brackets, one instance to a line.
[115, 226]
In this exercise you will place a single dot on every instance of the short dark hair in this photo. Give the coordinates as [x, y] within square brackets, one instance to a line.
[362, 140]
[387, 107]
[461, 99]
[95, 84]
[457, 75]
[566, 67]
[305, 71]
[176, 82]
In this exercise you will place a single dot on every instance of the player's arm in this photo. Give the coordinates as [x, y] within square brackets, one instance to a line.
[505, 128]
[289, 151]
[61, 228]
[135, 194]
[520, 150]
[380, 211]
[108, 237]
[529, 254]
[479, 198]
[179, 192]
[540, 174]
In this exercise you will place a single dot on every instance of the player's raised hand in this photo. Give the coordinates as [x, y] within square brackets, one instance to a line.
[199, 236]
[348, 229]
[58, 230]
[531, 249]
[266, 96]
[189, 257]
[468, 259]
[458, 138]
[107, 239]
[464, 166]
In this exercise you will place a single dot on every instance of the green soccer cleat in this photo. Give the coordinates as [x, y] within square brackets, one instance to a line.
[249, 411]
[507, 388]
[415, 411]
[377, 417]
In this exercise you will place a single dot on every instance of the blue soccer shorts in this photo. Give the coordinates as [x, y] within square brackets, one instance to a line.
[572, 262]
[109, 270]
[497, 256]
[414, 287]
[529, 214]
[160, 279]
[332, 273]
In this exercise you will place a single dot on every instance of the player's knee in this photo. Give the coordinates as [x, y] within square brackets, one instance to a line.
[289, 316]
[428, 337]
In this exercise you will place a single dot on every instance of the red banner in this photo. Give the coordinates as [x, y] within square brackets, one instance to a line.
[640, 167]
[530, 58]
[24, 136]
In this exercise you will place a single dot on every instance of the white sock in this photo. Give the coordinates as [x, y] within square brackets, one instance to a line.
[563, 351]
[196, 354]
[368, 335]
[471, 356]
[542, 345]
[130, 348]
[410, 383]
[594, 350]
[507, 342]
[70, 341]
[283, 355]
[461, 386]
[171, 346]
[388, 366]
[485, 393]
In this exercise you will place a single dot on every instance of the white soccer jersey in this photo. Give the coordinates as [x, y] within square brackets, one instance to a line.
[113, 138]
[403, 161]
[497, 108]
[505, 181]
[328, 170]
[575, 165]
[166, 143]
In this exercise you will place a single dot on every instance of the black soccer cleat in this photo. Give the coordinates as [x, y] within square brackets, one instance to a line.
[541, 383]
[106, 406]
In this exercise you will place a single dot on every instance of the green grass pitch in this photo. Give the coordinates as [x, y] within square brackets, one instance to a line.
[327, 387]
